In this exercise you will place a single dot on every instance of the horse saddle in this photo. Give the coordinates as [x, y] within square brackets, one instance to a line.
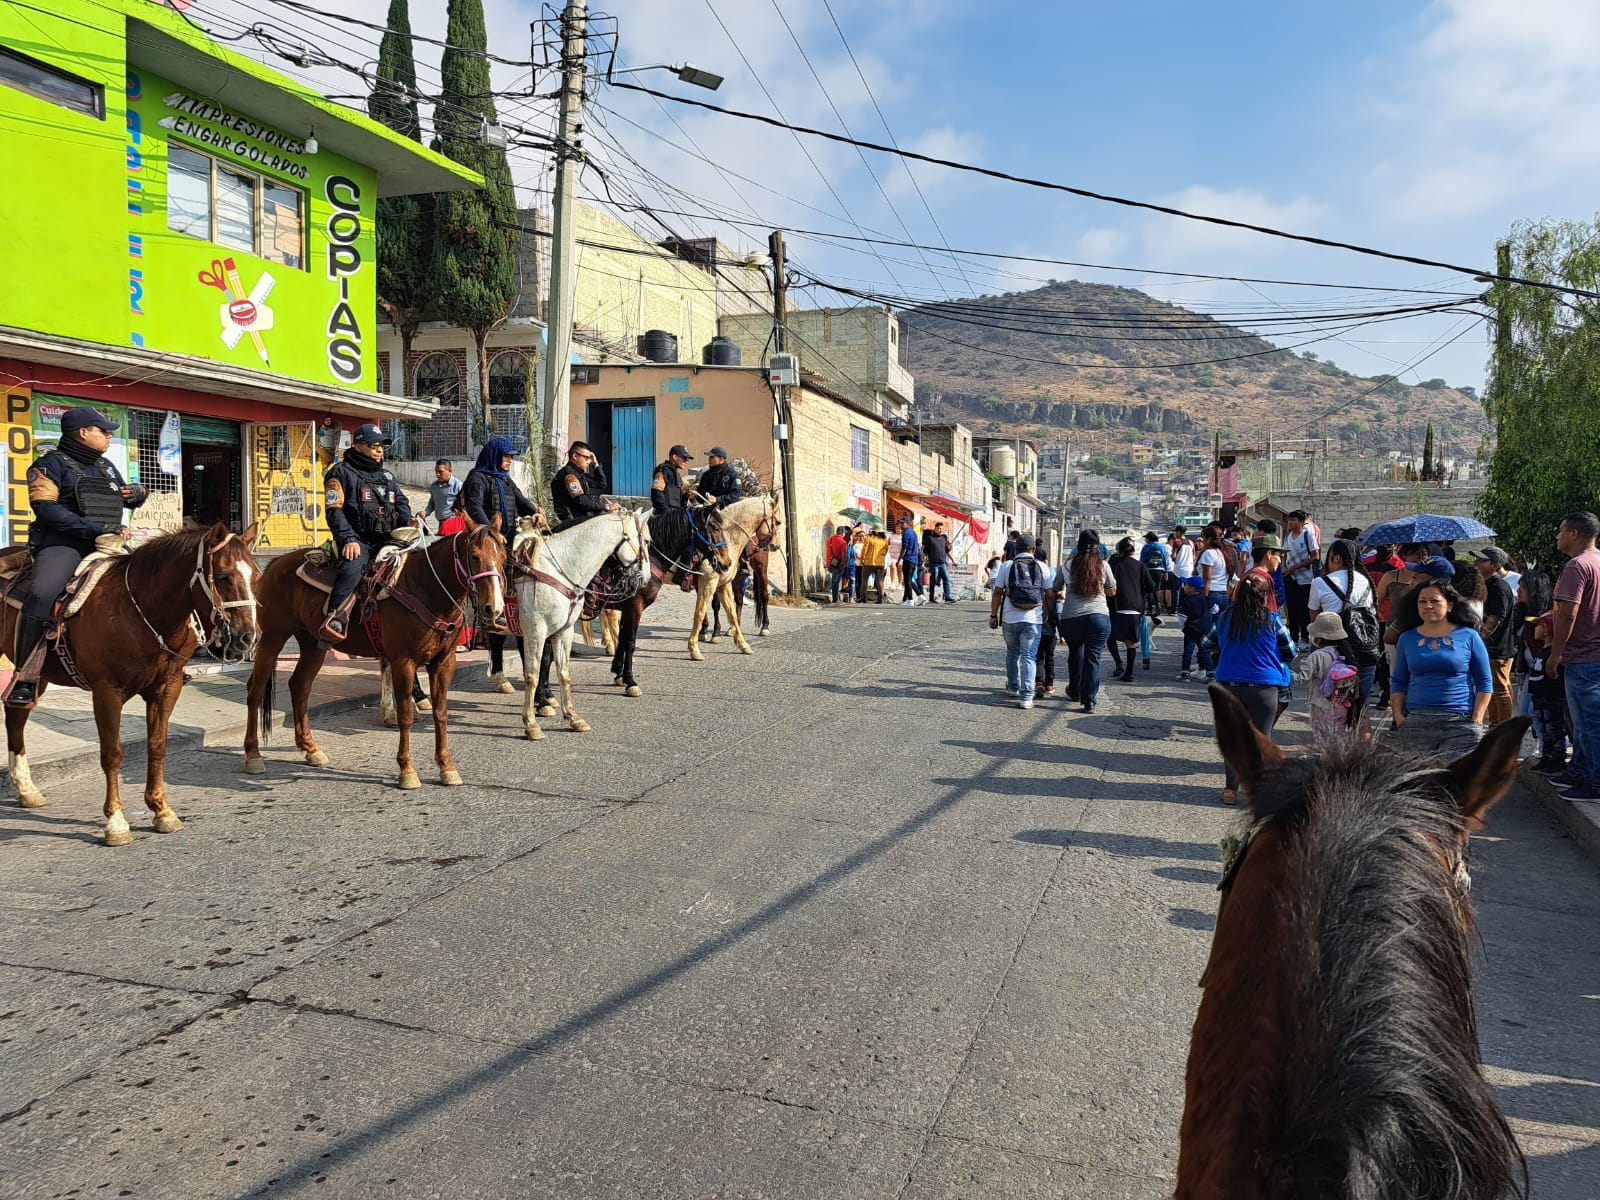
[320, 566]
[16, 573]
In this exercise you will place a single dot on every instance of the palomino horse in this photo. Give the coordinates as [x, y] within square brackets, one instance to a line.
[1335, 1053]
[752, 578]
[550, 594]
[418, 623]
[146, 617]
[743, 522]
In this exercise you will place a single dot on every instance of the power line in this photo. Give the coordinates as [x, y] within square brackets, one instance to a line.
[1106, 198]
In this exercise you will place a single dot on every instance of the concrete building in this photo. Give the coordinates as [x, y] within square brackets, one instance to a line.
[852, 351]
[194, 267]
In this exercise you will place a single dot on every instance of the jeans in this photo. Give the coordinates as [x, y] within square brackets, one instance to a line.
[1550, 724]
[1299, 605]
[1084, 637]
[835, 578]
[1583, 703]
[1046, 657]
[1022, 649]
[871, 580]
[1192, 638]
[939, 575]
[909, 576]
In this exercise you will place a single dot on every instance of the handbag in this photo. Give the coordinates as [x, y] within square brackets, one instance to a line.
[1360, 625]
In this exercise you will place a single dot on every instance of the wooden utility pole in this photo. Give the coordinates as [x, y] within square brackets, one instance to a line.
[563, 239]
[791, 511]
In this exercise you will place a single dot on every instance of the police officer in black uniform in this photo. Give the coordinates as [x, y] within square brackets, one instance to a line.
[572, 490]
[667, 489]
[365, 506]
[719, 481]
[76, 495]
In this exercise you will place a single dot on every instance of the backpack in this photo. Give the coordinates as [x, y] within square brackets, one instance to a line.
[1150, 556]
[1342, 684]
[1360, 626]
[1025, 584]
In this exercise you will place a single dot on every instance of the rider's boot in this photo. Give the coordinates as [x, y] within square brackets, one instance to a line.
[30, 631]
[690, 578]
[337, 627]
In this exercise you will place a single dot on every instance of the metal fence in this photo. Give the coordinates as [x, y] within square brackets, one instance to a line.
[448, 433]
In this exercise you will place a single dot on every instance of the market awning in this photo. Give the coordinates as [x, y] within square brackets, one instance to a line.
[938, 502]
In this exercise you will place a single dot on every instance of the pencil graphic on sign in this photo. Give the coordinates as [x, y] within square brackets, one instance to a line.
[243, 313]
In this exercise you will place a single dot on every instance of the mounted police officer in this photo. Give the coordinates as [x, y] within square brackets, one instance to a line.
[77, 497]
[366, 505]
[573, 493]
[719, 481]
[667, 489]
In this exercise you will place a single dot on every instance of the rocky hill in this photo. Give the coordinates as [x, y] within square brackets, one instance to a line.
[1061, 356]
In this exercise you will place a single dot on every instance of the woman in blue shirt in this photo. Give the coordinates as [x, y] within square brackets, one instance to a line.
[1252, 648]
[1440, 687]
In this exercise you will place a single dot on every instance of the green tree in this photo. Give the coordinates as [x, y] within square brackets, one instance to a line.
[472, 273]
[1428, 471]
[1543, 376]
[404, 222]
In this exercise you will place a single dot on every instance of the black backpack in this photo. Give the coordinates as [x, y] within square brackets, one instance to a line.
[1025, 583]
[1360, 625]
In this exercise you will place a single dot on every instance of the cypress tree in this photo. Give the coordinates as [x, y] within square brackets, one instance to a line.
[404, 222]
[1428, 471]
[473, 279]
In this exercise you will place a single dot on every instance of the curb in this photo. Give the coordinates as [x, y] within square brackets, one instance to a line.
[64, 768]
[1580, 818]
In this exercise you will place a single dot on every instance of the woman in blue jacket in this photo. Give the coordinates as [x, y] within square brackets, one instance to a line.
[1253, 650]
[490, 492]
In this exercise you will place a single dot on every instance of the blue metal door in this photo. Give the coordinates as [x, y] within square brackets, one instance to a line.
[633, 448]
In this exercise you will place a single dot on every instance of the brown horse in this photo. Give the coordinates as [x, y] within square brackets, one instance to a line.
[418, 623]
[1335, 1054]
[146, 617]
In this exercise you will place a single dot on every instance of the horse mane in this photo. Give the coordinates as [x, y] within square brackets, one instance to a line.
[1375, 1104]
[670, 531]
[148, 563]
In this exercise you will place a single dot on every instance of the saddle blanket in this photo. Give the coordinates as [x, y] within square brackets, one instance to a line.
[319, 566]
[16, 569]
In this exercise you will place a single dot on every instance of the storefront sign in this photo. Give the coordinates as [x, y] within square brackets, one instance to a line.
[162, 512]
[210, 125]
[288, 501]
[170, 452]
[344, 260]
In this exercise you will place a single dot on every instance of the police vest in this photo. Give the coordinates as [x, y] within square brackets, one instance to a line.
[90, 490]
[371, 504]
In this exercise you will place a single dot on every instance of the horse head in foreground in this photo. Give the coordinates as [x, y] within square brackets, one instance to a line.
[1335, 1053]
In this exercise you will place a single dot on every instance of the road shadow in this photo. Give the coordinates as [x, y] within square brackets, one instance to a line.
[1123, 845]
[1095, 787]
[1057, 755]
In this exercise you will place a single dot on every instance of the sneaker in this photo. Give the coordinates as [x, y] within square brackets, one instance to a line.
[906, 603]
[1582, 792]
[1185, 676]
[1210, 675]
[1147, 664]
[1565, 780]
[1551, 766]
[1012, 692]
[1026, 702]
[1049, 688]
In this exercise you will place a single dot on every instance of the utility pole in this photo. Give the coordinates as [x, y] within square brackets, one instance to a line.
[563, 240]
[791, 511]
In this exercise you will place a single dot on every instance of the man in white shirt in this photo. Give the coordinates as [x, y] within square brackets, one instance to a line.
[1300, 555]
[1017, 608]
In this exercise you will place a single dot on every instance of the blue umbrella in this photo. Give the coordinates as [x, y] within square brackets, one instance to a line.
[1423, 528]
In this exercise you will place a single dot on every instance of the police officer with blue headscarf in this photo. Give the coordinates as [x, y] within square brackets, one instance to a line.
[366, 504]
[77, 495]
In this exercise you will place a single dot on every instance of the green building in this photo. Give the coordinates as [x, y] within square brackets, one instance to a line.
[191, 243]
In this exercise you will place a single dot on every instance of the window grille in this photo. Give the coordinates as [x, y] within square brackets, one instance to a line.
[860, 449]
[508, 378]
[146, 429]
[439, 377]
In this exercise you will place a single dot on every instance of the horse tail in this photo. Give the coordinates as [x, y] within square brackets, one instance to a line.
[264, 716]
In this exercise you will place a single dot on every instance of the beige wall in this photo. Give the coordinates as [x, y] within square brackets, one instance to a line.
[856, 350]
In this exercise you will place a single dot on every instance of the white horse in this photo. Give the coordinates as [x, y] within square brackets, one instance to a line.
[743, 521]
[550, 590]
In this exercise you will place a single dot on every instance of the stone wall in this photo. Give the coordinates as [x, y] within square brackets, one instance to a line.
[1338, 508]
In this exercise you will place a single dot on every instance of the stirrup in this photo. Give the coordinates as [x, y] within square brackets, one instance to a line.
[334, 629]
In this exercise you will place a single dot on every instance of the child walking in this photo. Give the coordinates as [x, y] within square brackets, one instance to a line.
[1332, 682]
[1547, 692]
[1199, 612]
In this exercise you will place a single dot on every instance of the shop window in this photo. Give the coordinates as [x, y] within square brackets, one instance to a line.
[52, 84]
[508, 378]
[217, 202]
[860, 449]
[439, 378]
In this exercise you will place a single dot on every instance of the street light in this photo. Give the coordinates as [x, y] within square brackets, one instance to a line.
[687, 72]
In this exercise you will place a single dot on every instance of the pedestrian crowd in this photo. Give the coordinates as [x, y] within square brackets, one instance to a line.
[864, 563]
[1448, 644]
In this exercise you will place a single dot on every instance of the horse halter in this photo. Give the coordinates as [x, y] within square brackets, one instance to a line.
[216, 638]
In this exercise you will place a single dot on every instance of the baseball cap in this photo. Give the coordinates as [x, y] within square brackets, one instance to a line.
[681, 452]
[1493, 554]
[1025, 541]
[1266, 541]
[1197, 582]
[1437, 567]
[85, 417]
[372, 434]
[716, 452]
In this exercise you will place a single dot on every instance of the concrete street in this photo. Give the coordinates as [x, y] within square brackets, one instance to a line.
[832, 921]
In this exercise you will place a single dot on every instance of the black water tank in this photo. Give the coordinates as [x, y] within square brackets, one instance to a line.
[659, 346]
[721, 352]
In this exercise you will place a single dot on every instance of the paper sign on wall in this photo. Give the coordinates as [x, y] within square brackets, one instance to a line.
[170, 451]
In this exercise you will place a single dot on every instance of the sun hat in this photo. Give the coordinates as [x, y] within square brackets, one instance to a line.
[1328, 627]
[1437, 567]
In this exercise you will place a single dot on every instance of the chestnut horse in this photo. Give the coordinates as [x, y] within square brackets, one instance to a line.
[148, 614]
[1335, 1055]
[419, 623]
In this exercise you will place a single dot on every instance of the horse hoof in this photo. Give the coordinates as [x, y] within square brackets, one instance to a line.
[255, 766]
[696, 656]
[390, 721]
[579, 725]
[763, 633]
[30, 799]
[745, 649]
[616, 681]
[409, 780]
[717, 640]
[535, 734]
[167, 822]
[450, 778]
[316, 758]
[633, 690]
[424, 706]
[546, 709]
[118, 837]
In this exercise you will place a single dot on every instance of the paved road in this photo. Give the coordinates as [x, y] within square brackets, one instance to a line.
[830, 922]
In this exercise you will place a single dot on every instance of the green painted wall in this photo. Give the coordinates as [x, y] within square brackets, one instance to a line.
[91, 224]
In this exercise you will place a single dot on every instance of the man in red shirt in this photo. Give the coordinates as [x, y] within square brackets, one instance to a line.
[833, 555]
[1576, 650]
[1266, 549]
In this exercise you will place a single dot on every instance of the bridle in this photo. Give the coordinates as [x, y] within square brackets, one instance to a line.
[212, 631]
[465, 577]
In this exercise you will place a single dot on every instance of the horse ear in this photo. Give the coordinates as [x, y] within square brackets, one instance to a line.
[217, 534]
[1480, 778]
[496, 522]
[248, 537]
[1243, 747]
[467, 522]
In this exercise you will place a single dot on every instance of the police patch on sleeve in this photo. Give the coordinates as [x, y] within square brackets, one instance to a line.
[574, 488]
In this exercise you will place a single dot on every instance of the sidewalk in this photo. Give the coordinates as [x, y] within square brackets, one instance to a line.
[1580, 818]
[62, 742]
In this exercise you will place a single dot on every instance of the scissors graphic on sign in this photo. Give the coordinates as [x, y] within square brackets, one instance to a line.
[243, 314]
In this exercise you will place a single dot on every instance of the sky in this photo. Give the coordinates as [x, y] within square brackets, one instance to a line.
[1423, 128]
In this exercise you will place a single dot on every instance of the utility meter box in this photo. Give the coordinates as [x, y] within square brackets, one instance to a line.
[783, 370]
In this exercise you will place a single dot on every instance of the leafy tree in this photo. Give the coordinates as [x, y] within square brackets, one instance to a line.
[473, 267]
[404, 222]
[1543, 376]
[1428, 471]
